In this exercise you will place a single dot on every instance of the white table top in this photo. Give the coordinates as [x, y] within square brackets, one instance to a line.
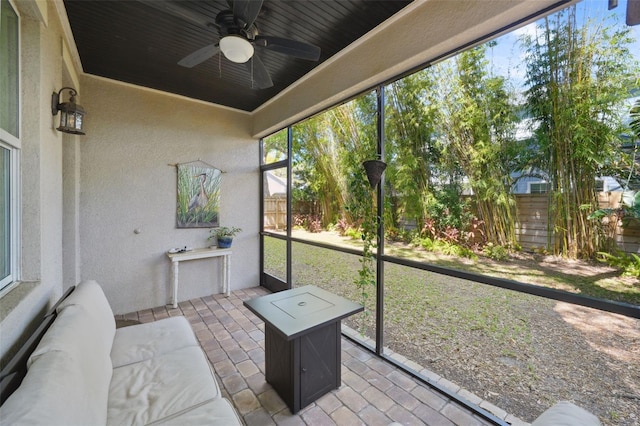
[199, 253]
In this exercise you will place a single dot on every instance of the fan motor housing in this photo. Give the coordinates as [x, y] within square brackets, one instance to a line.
[227, 23]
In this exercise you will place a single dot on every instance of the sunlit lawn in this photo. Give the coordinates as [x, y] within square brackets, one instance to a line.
[412, 297]
[587, 278]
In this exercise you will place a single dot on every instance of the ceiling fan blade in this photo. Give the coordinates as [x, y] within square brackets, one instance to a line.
[199, 56]
[633, 12]
[179, 12]
[259, 72]
[294, 48]
[246, 11]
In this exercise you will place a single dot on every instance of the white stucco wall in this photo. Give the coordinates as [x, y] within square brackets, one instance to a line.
[133, 134]
[40, 175]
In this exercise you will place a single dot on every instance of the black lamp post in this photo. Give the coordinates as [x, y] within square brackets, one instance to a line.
[71, 114]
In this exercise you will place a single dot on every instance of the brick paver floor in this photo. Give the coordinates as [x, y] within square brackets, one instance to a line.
[373, 391]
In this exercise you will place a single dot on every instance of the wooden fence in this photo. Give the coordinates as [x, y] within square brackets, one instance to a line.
[532, 228]
[533, 216]
[275, 212]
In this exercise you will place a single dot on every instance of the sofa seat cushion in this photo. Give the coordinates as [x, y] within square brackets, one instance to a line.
[145, 341]
[161, 387]
[218, 412]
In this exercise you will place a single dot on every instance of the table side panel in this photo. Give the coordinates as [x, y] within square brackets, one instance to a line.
[281, 361]
[320, 363]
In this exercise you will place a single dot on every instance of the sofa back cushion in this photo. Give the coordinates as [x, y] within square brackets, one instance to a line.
[89, 295]
[54, 392]
[85, 326]
[69, 372]
[68, 375]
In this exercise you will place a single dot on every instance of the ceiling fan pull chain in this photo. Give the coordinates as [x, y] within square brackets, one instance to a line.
[220, 66]
[252, 85]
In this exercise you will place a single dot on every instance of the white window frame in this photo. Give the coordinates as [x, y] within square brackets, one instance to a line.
[604, 185]
[538, 183]
[13, 145]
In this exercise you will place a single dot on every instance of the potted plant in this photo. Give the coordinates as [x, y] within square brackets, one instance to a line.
[362, 205]
[224, 235]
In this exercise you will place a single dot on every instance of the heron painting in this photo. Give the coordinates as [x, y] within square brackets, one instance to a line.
[198, 195]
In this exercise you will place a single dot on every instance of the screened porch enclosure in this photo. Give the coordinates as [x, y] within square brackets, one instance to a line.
[478, 288]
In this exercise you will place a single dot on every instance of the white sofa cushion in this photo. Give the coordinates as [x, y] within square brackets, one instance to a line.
[564, 413]
[74, 331]
[144, 341]
[161, 387]
[89, 294]
[55, 392]
[73, 334]
[218, 412]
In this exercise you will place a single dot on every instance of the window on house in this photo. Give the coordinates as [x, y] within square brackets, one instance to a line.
[9, 141]
[539, 187]
[599, 185]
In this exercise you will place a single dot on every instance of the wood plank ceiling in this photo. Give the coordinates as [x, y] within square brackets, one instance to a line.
[130, 41]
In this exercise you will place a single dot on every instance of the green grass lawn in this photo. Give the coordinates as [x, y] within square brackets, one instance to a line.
[589, 279]
[413, 298]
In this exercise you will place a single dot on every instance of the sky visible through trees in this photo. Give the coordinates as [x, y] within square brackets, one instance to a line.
[549, 101]
[507, 57]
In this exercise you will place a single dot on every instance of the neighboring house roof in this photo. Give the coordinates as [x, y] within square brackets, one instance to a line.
[274, 185]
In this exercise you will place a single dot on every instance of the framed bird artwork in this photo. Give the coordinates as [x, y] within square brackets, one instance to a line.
[198, 195]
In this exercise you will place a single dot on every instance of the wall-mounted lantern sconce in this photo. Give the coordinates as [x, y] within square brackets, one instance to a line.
[71, 114]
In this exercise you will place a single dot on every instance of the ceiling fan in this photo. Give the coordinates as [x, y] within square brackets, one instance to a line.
[238, 36]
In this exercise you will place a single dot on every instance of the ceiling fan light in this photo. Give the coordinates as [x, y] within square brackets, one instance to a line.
[236, 49]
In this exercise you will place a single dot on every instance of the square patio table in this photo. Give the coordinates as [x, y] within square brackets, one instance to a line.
[302, 341]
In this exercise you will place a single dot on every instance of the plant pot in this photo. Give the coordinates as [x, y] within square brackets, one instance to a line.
[374, 169]
[224, 242]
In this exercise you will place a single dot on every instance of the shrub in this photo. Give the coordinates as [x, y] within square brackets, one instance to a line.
[298, 221]
[311, 223]
[397, 234]
[453, 249]
[495, 252]
[353, 233]
[444, 247]
[633, 268]
[314, 224]
[425, 243]
[341, 227]
[628, 264]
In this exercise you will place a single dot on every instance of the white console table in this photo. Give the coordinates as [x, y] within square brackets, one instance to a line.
[201, 253]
